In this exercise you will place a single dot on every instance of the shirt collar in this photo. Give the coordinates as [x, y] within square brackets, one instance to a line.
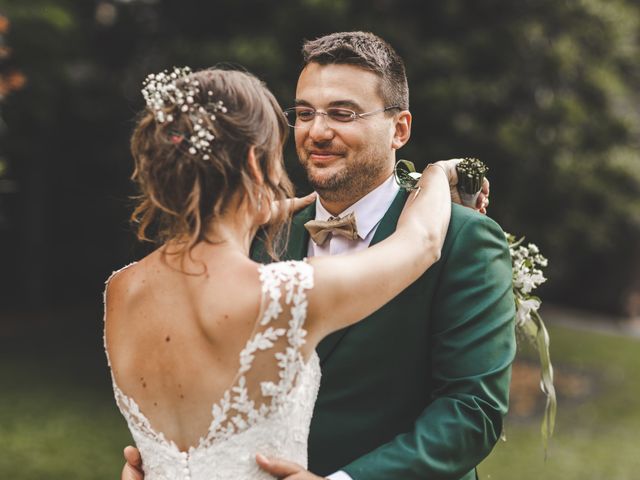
[369, 210]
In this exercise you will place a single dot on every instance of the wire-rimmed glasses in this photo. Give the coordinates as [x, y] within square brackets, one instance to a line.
[302, 117]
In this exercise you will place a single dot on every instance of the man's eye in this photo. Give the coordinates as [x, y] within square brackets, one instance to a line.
[341, 115]
[305, 115]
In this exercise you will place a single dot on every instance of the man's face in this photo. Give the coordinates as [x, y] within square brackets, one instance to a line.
[344, 161]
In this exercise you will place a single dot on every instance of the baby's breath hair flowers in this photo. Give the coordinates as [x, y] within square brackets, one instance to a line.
[171, 93]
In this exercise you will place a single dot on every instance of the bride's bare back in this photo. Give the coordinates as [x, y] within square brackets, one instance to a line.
[203, 407]
[174, 339]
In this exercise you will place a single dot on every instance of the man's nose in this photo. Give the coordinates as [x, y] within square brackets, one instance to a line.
[320, 130]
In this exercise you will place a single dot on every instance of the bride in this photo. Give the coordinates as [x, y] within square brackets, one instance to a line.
[212, 354]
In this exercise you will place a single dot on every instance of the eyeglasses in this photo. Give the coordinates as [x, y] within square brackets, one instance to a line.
[302, 117]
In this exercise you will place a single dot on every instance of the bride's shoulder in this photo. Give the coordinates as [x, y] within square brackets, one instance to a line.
[287, 271]
[129, 282]
[121, 286]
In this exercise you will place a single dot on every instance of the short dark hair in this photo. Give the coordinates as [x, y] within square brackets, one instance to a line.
[365, 50]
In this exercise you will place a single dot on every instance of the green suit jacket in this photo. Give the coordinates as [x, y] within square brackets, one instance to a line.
[418, 390]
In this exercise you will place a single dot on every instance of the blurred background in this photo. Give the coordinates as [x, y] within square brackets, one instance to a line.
[546, 92]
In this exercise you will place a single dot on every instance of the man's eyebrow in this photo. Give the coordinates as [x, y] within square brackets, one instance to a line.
[353, 105]
[335, 104]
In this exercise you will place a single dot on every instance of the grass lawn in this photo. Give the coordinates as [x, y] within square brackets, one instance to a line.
[58, 419]
[597, 434]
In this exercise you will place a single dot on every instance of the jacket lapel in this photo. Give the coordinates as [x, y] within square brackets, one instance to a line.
[298, 243]
[386, 227]
[390, 220]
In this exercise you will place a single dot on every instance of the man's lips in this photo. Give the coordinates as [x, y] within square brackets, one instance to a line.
[323, 156]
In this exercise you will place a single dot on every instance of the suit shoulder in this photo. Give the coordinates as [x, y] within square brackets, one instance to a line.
[467, 224]
[464, 217]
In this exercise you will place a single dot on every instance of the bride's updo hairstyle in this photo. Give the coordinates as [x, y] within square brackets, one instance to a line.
[190, 148]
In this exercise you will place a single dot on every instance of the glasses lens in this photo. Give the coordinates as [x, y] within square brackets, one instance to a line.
[304, 114]
[290, 116]
[341, 114]
[298, 115]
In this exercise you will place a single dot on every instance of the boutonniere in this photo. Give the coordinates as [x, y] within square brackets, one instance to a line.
[527, 263]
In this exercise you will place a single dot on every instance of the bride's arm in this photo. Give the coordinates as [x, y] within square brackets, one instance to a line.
[350, 287]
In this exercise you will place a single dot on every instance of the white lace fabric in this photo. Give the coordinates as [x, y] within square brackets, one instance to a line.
[267, 410]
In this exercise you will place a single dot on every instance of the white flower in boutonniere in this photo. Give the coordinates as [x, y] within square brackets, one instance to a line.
[527, 263]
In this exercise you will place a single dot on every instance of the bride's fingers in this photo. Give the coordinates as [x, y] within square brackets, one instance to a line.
[278, 467]
[449, 167]
[486, 186]
[482, 203]
[299, 203]
[293, 204]
[482, 200]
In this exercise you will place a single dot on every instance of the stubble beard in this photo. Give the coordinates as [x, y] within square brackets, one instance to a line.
[357, 178]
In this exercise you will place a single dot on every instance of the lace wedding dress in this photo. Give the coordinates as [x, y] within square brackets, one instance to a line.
[267, 410]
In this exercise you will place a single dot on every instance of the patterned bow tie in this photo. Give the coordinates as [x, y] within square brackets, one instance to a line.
[320, 229]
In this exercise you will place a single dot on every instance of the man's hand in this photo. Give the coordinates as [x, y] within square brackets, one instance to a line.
[132, 470]
[285, 470]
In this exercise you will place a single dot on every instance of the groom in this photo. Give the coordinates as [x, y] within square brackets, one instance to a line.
[419, 389]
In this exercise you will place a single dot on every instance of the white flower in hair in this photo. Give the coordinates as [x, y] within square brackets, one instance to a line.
[166, 90]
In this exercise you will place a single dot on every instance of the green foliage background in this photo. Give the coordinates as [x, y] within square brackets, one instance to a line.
[544, 91]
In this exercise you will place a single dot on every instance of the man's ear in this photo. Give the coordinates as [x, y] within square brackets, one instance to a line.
[402, 130]
[254, 168]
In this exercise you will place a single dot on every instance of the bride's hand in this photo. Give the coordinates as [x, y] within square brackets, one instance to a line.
[293, 204]
[449, 167]
[296, 203]
[483, 199]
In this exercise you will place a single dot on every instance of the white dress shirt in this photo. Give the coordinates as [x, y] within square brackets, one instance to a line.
[369, 211]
